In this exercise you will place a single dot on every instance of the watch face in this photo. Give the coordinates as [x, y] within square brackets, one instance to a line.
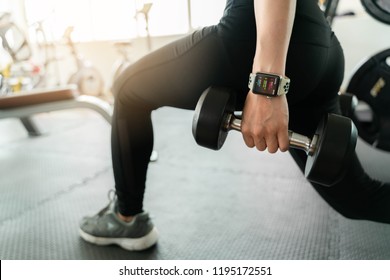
[266, 84]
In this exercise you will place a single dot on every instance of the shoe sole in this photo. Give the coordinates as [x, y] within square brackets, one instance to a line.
[131, 244]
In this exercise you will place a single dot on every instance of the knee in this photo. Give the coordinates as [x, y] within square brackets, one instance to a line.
[124, 90]
[118, 88]
[122, 100]
[125, 83]
[128, 100]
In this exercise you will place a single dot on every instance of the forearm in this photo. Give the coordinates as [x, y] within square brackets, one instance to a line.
[265, 121]
[274, 22]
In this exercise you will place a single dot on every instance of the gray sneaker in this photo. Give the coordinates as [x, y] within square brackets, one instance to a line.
[106, 228]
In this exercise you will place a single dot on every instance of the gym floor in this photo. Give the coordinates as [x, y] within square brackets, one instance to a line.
[233, 204]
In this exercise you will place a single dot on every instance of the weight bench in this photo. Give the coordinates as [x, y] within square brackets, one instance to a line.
[25, 104]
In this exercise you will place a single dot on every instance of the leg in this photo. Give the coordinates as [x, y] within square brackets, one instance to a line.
[174, 76]
[356, 196]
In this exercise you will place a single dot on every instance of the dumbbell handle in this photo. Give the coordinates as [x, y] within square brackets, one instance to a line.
[296, 140]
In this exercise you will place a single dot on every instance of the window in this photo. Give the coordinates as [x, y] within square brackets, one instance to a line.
[121, 19]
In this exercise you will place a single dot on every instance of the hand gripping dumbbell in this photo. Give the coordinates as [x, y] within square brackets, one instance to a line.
[329, 150]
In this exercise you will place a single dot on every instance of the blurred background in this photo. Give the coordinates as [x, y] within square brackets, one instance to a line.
[103, 33]
[106, 34]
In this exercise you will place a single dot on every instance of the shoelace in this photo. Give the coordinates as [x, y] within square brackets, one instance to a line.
[111, 198]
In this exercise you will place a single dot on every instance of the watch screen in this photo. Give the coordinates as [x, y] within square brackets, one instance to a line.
[266, 84]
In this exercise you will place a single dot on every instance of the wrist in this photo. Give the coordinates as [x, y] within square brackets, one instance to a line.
[268, 84]
[267, 65]
[270, 70]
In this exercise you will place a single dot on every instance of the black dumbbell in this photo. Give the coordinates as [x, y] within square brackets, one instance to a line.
[348, 103]
[329, 150]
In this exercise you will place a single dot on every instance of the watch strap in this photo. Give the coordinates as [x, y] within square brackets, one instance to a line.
[284, 83]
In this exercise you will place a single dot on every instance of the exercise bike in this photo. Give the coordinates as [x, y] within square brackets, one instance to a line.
[19, 73]
[124, 47]
[87, 78]
[124, 50]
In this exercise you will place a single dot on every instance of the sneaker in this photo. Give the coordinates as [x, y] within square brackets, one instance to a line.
[105, 228]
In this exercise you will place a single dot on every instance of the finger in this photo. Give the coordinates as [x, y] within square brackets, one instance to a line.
[284, 142]
[261, 144]
[272, 144]
[248, 141]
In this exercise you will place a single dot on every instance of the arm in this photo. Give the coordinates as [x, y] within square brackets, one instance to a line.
[265, 120]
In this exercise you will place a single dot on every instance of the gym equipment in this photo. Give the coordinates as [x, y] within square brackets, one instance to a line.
[348, 103]
[329, 150]
[26, 104]
[45, 53]
[371, 85]
[378, 9]
[19, 73]
[144, 11]
[329, 7]
[125, 59]
[87, 77]
[13, 39]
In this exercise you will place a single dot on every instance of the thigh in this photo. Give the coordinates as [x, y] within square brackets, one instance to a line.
[176, 74]
[315, 86]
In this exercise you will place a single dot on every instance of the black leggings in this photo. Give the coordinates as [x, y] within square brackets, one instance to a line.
[177, 74]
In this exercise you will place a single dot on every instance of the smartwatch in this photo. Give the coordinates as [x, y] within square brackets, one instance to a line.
[268, 84]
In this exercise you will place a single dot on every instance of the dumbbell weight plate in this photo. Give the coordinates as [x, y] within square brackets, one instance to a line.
[379, 9]
[371, 85]
[330, 160]
[210, 112]
[348, 103]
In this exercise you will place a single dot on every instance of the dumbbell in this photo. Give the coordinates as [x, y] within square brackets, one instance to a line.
[348, 103]
[329, 150]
